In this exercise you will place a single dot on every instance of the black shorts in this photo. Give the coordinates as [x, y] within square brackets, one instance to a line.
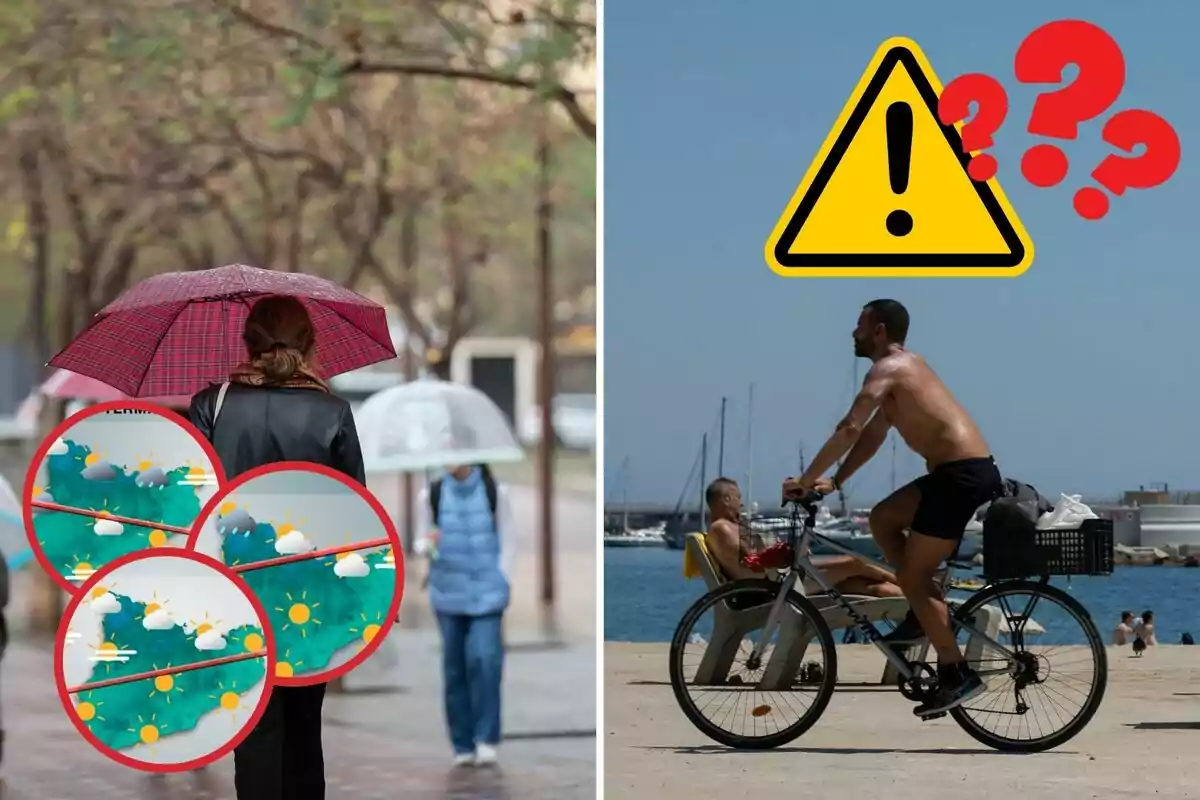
[952, 493]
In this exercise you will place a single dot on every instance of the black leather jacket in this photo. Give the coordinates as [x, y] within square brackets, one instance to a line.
[259, 426]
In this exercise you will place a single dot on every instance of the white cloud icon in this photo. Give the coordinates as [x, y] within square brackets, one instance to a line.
[293, 542]
[210, 640]
[59, 448]
[106, 604]
[351, 566]
[158, 620]
[108, 527]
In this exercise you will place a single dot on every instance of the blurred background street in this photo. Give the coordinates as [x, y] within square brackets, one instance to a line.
[438, 158]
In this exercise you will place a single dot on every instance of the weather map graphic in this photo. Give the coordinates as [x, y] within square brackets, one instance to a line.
[98, 493]
[148, 672]
[329, 581]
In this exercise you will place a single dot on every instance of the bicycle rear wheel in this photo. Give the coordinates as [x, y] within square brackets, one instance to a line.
[1050, 691]
[735, 699]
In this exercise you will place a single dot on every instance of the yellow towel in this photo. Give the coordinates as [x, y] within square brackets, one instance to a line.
[690, 568]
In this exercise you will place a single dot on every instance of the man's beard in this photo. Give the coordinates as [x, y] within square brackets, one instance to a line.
[861, 349]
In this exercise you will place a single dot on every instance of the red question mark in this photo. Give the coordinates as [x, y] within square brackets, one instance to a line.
[1040, 59]
[991, 103]
[1126, 130]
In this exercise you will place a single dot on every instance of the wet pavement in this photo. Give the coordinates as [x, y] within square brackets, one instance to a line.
[384, 744]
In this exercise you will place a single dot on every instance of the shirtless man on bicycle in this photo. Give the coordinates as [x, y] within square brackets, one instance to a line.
[902, 391]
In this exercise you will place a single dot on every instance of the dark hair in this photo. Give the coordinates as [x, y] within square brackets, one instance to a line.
[279, 335]
[716, 490]
[1126, 615]
[892, 315]
[1147, 616]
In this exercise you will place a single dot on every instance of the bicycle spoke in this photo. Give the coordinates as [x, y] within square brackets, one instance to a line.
[731, 695]
[1042, 689]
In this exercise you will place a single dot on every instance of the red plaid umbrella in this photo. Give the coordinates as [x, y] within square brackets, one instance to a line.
[178, 332]
[67, 385]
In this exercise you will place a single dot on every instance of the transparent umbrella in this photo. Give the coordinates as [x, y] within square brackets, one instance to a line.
[13, 544]
[427, 424]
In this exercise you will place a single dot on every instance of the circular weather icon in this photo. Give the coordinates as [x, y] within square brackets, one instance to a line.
[321, 555]
[164, 660]
[111, 480]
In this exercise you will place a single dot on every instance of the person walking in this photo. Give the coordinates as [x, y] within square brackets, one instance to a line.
[468, 538]
[274, 408]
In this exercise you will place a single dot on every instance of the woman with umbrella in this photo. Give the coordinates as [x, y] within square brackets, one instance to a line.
[274, 408]
[255, 338]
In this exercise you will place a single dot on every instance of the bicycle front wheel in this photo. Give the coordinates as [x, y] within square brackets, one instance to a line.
[1048, 685]
[736, 698]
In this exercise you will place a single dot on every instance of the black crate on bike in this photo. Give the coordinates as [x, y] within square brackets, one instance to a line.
[1015, 551]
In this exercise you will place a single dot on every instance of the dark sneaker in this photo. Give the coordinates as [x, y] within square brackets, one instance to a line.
[907, 632]
[954, 691]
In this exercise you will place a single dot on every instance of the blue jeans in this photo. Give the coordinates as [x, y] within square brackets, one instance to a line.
[472, 668]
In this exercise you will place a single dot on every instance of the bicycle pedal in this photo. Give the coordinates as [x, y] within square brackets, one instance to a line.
[928, 717]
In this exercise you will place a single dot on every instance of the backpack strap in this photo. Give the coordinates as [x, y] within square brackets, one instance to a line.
[220, 402]
[493, 493]
[435, 499]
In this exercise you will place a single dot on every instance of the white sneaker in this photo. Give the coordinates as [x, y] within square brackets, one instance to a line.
[464, 759]
[485, 755]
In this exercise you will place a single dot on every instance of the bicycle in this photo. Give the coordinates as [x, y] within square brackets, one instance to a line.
[791, 614]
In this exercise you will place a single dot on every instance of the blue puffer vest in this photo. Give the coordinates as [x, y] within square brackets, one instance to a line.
[465, 578]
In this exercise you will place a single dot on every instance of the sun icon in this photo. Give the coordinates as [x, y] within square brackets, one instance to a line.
[299, 613]
[146, 463]
[229, 700]
[91, 458]
[165, 685]
[285, 527]
[253, 643]
[88, 711]
[369, 629]
[105, 511]
[108, 653]
[204, 625]
[80, 567]
[154, 605]
[227, 508]
[150, 731]
[99, 591]
[157, 538]
[285, 667]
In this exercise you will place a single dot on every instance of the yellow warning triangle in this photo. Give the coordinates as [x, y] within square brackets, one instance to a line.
[849, 218]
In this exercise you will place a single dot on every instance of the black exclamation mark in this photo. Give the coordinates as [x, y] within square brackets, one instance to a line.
[899, 145]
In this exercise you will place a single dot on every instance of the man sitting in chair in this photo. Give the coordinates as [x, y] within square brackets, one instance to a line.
[845, 573]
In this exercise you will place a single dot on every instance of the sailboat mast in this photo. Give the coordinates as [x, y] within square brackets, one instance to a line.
[721, 444]
[625, 496]
[749, 500]
[703, 479]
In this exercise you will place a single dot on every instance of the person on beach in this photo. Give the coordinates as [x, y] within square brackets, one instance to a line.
[1146, 630]
[468, 537]
[846, 573]
[273, 408]
[902, 390]
[1124, 632]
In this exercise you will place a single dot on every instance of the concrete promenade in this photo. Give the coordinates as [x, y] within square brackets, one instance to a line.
[386, 738]
[377, 745]
[1141, 744]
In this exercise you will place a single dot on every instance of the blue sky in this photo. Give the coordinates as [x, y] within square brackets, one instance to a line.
[1082, 373]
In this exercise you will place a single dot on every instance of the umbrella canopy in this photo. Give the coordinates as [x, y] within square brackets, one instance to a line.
[427, 423]
[178, 332]
[67, 385]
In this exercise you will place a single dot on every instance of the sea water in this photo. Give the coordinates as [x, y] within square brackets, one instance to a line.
[645, 595]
